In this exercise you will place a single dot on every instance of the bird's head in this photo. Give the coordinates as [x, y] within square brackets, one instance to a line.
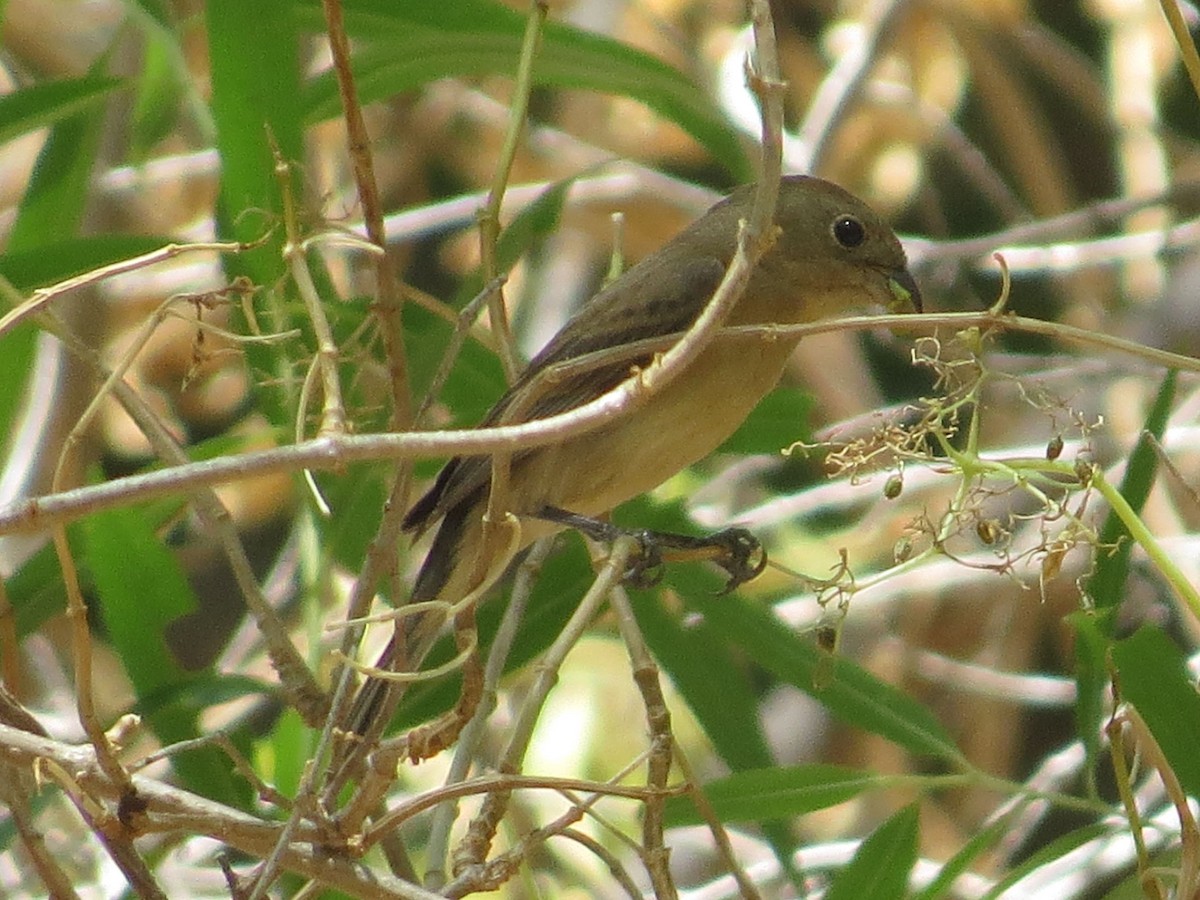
[833, 255]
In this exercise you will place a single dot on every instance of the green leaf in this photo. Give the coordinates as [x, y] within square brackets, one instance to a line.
[156, 103]
[1092, 639]
[40, 105]
[36, 589]
[142, 589]
[66, 257]
[961, 861]
[711, 673]
[475, 382]
[1152, 676]
[713, 684]
[282, 758]
[410, 44]
[52, 206]
[1106, 587]
[1094, 630]
[881, 867]
[774, 793]
[531, 224]
[356, 497]
[255, 104]
[849, 692]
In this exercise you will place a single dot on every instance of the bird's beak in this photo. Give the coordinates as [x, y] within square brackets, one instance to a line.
[906, 294]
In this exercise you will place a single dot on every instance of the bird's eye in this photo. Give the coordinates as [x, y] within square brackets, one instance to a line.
[848, 231]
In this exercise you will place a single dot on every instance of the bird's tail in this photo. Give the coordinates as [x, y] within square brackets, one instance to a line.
[377, 699]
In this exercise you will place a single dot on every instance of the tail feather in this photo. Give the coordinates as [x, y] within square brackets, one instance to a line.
[377, 698]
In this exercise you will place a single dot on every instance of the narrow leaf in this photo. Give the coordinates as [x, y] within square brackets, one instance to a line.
[412, 43]
[142, 589]
[40, 105]
[1106, 587]
[1094, 628]
[1153, 676]
[1046, 854]
[845, 689]
[881, 867]
[775, 793]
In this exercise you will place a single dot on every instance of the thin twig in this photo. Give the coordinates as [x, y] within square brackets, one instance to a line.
[43, 297]
[437, 846]
[489, 217]
[477, 842]
[1183, 39]
[655, 853]
[169, 810]
[328, 453]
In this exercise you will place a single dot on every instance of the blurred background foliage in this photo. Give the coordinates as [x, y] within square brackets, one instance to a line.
[1064, 132]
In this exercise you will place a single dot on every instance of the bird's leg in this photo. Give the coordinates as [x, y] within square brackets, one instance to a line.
[735, 550]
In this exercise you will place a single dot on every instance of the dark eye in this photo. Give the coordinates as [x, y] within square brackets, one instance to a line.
[848, 231]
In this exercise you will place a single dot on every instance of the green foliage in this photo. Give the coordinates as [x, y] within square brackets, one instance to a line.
[268, 101]
[413, 43]
[1152, 676]
[141, 591]
[880, 867]
[776, 793]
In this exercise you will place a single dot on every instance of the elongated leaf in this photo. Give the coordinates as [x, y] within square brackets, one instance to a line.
[419, 41]
[775, 793]
[533, 223]
[710, 672]
[40, 105]
[1106, 586]
[1153, 677]
[142, 589]
[715, 687]
[255, 103]
[67, 257]
[968, 853]
[883, 862]
[846, 690]
[52, 206]
[1094, 629]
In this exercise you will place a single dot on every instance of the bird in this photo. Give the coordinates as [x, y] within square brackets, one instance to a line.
[832, 255]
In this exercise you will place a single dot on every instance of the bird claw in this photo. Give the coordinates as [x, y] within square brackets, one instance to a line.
[735, 550]
[746, 560]
[646, 568]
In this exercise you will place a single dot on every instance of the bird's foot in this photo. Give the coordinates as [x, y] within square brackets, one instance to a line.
[735, 550]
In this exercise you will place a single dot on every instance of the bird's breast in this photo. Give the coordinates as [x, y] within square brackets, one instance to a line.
[677, 426]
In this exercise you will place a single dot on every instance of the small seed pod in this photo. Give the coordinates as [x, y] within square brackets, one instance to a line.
[988, 531]
[893, 486]
[1054, 449]
[902, 550]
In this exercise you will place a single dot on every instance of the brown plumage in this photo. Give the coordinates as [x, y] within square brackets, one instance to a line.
[833, 254]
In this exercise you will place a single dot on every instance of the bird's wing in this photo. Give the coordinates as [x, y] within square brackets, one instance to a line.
[673, 304]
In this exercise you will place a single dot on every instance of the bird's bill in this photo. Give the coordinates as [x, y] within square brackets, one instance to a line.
[906, 295]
